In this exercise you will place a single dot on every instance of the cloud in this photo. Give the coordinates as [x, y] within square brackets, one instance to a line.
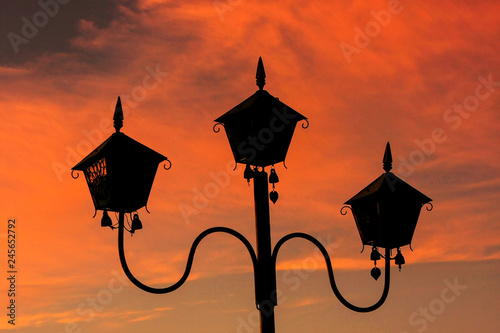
[47, 26]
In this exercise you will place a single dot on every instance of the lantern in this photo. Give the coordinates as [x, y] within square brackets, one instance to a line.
[260, 128]
[120, 172]
[387, 210]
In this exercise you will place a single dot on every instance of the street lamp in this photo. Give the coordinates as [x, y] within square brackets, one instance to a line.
[120, 174]
[386, 213]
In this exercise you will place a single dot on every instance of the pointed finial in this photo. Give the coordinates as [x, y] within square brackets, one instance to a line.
[387, 158]
[261, 74]
[118, 116]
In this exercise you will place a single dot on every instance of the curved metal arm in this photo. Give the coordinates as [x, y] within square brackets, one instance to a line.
[189, 264]
[330, 271]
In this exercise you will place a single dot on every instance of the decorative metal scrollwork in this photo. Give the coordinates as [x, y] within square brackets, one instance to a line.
[73, 175]
[430, 207]
[343, 211]
[169, 165]
[96, 175]
[217, 129]
[306, 124]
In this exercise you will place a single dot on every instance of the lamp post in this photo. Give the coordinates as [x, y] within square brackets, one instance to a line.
[120, 173]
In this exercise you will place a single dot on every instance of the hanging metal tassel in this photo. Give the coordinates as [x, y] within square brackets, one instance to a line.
[248, 174]
[136, 224]
[399, 259]
[375, 255]
[273, 179]
[375, 273]
[273, 196]
[106, 220]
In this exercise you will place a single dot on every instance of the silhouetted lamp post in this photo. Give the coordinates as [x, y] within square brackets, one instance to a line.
[120, 174]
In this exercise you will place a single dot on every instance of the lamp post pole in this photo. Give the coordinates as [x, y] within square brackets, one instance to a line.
[265, 282]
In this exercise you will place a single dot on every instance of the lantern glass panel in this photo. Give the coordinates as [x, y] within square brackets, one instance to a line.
[367, 217]
[97, 179]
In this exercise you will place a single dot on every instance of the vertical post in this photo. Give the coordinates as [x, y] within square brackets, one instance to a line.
[265, 281]
[121, 248]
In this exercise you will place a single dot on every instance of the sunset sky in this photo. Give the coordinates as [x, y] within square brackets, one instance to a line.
[424, 75]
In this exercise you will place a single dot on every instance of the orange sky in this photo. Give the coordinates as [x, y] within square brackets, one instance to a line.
[423, 75]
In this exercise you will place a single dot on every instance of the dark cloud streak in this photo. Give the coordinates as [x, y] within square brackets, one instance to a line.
[54, 36]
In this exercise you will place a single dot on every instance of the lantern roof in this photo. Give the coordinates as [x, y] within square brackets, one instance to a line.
[260, 104]
[388, 184]
[120, 144]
